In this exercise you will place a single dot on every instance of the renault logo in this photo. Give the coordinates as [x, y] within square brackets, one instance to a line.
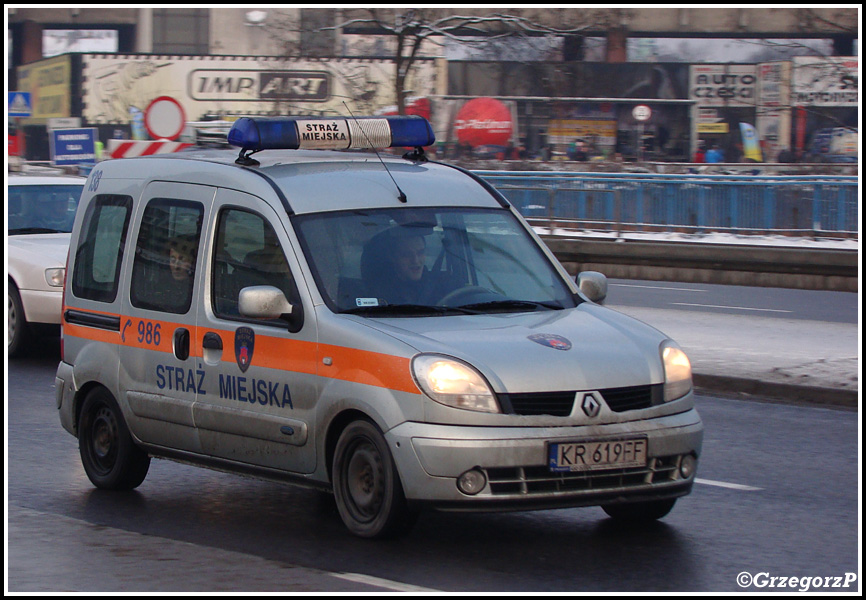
[590, 405]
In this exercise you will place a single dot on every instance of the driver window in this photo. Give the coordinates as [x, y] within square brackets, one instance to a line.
[247, 252]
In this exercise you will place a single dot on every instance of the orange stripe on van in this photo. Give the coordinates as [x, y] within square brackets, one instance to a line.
[371, 368]
[347, 364]
[269, 352]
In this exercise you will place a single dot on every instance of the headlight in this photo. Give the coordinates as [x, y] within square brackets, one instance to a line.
[453, 383]
[678, 371]
[54, 277]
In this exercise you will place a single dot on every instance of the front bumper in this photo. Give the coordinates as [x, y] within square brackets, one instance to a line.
[42, 306]
[430, 458]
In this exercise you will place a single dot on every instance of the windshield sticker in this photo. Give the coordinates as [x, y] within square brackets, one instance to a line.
[245, 341]
[365, 302]
[557, 342]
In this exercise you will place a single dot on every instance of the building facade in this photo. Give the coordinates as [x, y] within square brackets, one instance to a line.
[226, 62]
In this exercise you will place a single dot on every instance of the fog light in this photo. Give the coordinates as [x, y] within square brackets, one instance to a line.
[688, 466]
[471, 482]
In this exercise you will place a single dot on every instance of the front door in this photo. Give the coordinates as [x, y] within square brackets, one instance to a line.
[260, 375]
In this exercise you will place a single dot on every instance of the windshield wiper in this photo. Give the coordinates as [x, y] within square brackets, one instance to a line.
[25, 230]
[516, 304]
[408, 309]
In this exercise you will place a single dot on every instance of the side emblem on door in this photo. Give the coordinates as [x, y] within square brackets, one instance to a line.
[245, 341]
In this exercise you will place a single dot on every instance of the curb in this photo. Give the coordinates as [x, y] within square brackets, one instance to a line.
[704, 262]
[778, 392]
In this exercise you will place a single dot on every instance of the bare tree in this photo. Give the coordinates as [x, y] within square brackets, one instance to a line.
[412, 28]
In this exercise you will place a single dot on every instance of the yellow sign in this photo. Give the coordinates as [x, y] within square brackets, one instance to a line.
[563, 131]
[49, 83]
[713, 128]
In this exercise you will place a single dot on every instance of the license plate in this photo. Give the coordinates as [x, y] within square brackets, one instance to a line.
[597, 454]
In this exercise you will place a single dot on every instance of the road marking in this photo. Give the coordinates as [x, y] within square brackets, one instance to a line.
[733, 486]
[657, 287]
[732, 307]
[383, 583]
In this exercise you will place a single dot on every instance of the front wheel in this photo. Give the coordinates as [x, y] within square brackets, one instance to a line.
[367, 486]
[110, 457]
[17, 331]
[640, 512]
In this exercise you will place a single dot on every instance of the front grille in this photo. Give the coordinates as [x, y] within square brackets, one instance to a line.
[557, 404]
[560, 404]
[540, 480]
[632, 398]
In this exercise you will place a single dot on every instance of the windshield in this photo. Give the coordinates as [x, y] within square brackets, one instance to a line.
[412, 261]
[42, 208]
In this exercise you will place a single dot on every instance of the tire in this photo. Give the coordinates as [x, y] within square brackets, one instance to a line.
[640, 512]
[18, 333]
[110, 457]
[367, 487]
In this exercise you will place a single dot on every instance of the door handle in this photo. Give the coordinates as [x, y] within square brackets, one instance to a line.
[181, 343]
[212, 341]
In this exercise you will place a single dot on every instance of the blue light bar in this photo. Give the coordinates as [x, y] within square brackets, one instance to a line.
[291, 133]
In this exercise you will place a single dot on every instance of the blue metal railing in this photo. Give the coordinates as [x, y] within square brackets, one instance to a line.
[801, 205]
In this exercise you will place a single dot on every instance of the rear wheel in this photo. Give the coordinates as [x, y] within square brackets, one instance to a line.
[367, 487]
[110, 457]
[640, 512]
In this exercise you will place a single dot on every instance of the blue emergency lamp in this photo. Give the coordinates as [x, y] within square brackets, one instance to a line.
[253, 134]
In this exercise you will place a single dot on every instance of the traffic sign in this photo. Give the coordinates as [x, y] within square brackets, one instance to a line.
[19, 104]
[73, 146]
[641, 112]
[164, 118]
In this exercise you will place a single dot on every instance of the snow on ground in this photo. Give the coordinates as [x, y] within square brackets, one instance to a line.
[709, 238]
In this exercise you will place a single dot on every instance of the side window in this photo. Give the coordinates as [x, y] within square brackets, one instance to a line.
[247, 252]
[165, 255]
[99, 254]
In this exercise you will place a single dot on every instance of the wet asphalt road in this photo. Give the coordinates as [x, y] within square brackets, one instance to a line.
[777, 497]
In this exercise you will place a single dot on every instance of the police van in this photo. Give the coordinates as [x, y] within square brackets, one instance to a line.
[385, 328]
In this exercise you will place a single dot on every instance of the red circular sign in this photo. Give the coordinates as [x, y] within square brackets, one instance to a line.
[164, 118]
[484, 121]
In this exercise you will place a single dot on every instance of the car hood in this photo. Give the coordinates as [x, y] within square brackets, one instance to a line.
[585, 348]
[45, 250]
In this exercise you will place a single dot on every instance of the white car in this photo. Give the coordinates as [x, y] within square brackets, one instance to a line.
[40, 212]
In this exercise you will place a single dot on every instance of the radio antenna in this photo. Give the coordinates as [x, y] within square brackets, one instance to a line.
[400, 196]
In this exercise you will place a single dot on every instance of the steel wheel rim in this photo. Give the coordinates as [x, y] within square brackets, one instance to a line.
[103, 443]
[365, 481]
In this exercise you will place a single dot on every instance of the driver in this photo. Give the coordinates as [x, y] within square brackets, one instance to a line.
[394, 267]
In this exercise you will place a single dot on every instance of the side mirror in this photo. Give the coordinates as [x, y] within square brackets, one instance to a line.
[263, 302]
[593, 285]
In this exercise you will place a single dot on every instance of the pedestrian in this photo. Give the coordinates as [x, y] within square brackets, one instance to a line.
[580, 153]
[786, 156]
[715, 155]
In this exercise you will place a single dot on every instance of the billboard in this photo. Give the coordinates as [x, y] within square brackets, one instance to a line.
[723, 85]
[49, 83]
[242, 85]
[824, 81]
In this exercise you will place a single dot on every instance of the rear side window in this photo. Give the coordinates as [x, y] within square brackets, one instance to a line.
[100, 248]
[165, 255]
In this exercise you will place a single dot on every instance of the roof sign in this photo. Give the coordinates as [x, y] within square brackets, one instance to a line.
[270, 133]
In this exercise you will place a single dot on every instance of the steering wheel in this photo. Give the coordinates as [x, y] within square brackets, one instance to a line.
[463, 294]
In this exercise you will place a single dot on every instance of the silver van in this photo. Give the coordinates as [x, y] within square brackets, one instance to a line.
[385, 328]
